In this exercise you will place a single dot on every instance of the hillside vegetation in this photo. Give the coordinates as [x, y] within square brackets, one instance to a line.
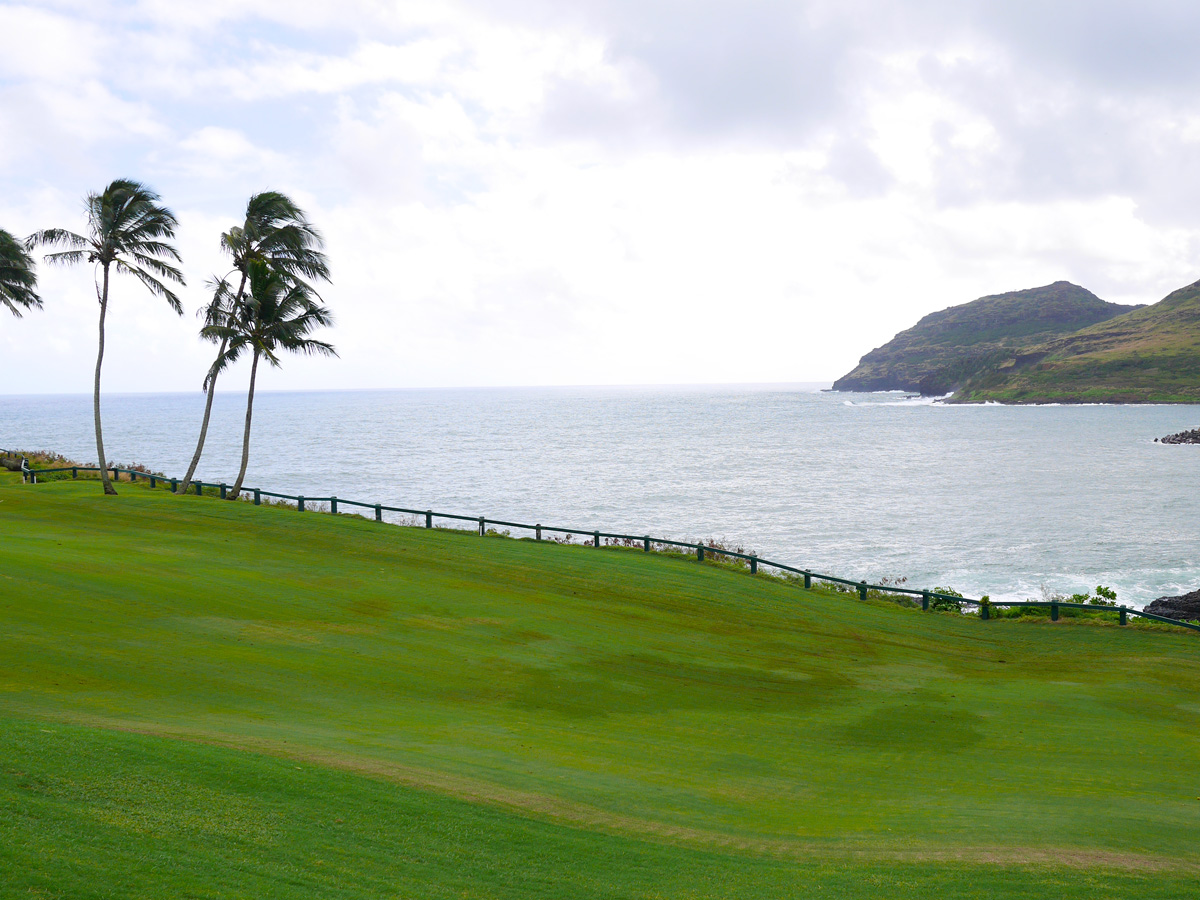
[1150, 355]
[208, 699]
[940, 352]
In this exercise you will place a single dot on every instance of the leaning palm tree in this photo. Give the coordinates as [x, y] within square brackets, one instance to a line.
[275, 231]
[18, 276]
[277, 314]
[128, 231]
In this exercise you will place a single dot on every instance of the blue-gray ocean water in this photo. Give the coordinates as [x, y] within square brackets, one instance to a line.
[1006, 501]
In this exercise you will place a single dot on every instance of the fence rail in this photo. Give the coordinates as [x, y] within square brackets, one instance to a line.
[700, 549]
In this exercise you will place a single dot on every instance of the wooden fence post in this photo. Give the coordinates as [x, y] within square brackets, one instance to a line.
[333, 506]
[74, 471]
[596, 539]
[808, 581]
[378, 512]
[699, 553]
[223, 490]
[257, 497]
[985, 610]
[862, 591]
[481, 526]
[1123, 615]
[537, 529]
[174, 485]
[428, 518]
[199, 488]
[925, 600]
[152, 480]
[646, 543]
[1053, 612]
[299, 504]
[753, 564]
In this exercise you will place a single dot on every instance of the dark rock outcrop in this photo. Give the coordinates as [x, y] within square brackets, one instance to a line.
[1183, 437]
[1185, 606]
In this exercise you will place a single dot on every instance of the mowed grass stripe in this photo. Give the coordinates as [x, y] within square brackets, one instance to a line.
[88, 813]
[618, 687]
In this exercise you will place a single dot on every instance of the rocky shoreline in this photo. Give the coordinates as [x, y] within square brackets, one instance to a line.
[1183, 437]
[1185, 606]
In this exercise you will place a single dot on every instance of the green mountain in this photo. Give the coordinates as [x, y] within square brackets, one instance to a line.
[1150, 355]
[942, 351]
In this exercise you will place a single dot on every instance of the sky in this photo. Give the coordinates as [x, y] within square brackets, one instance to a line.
[531, 192]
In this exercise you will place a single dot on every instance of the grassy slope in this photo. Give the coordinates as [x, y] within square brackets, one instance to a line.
[510, 719]
[1151, 355]
[943, 348]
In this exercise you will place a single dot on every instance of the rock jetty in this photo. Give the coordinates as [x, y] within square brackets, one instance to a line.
[1184, 437]
[1185, 606]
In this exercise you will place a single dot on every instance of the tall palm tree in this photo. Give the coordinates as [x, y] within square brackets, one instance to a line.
[277, 314]
[275, 231]
[18, 276]
[128, 231]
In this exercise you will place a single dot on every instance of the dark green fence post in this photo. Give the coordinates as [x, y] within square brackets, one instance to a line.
[116, 474]
[753, 564]
[378, 512]
[428, 518]
[700, 553]
[74, 471]
[596, 539]
[1123, 615]
[299, 504]
[808, 581]
[199, 488]
[985, 611]
[1053, 612]
[925, 600]
[257, 497]
[333, 506]
[537, 530]
[222, 490]
[152, 481]
[132, 475]
[862, 592]
[646, 543]
[174, 485]
[482, 526]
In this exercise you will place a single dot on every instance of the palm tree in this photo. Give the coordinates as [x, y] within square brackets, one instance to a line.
[128, 230]
[277, 232]
[277, 314]
[18, 277]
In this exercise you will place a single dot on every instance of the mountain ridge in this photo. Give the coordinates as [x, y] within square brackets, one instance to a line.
[945, 348]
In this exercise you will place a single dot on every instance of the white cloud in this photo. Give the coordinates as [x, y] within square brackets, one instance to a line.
[533, 192]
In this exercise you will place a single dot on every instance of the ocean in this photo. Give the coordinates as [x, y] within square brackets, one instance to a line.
[1008, 501]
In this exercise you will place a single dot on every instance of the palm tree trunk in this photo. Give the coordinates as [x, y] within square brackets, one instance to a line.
[208, 402]
[237, 485]
[104, 479]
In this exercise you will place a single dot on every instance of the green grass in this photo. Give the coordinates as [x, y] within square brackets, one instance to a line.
[192, 693]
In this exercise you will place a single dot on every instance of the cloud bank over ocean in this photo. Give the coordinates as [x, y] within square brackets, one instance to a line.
[530, 192]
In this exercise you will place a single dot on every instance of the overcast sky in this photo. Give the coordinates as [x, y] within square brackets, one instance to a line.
[632, 191]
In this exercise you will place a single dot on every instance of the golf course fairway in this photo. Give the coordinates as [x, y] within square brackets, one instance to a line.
[207, 699]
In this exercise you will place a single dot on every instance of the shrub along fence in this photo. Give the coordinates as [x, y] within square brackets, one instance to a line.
[702, 551]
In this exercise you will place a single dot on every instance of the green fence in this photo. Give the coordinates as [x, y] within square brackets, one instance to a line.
[701, 551]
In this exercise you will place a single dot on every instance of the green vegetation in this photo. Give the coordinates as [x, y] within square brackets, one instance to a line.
[129, 232]
[942, 351]
[275, 233]
[1151, 355]
[278, 314]
[212, 699]
[18, 276]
